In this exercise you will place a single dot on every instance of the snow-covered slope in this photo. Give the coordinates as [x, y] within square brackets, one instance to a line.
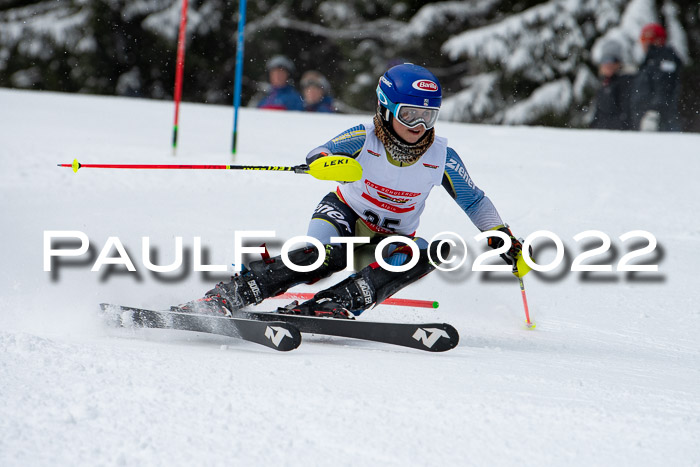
[611, 375]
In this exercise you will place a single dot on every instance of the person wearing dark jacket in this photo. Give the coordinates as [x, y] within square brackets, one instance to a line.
[316, 90]
[612, 99]
[657, 84]
[282, 96]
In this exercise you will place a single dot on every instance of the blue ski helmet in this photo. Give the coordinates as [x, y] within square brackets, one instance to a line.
[410, 93]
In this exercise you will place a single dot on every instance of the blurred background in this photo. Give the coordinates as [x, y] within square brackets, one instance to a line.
[522, 62]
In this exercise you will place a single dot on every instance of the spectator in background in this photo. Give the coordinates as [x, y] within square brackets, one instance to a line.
[282, 96]
[612, 101]
[657, 84]
[316, 92]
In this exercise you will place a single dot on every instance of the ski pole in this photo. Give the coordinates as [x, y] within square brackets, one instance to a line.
[338, 168]
[520, 268]
[528, 323]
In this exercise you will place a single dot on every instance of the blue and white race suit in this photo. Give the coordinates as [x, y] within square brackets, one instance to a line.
[390, 197]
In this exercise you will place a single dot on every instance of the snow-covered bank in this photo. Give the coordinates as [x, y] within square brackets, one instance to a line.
[610, 376]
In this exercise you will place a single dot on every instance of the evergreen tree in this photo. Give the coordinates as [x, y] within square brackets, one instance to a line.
[499, 61]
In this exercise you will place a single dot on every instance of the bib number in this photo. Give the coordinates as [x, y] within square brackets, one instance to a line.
[385, 223]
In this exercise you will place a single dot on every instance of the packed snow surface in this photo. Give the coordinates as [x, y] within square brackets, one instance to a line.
[610, 376]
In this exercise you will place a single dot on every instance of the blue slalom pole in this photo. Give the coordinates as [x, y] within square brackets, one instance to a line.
[239, 71]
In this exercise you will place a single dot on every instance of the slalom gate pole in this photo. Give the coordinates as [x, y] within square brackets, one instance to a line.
[239, 72]
[179, 69]
[528, 323]
[388, 301]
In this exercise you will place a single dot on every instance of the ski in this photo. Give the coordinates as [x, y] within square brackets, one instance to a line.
[432, 337]
[275, 334]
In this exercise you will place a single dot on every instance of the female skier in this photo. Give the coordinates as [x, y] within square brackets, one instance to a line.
[402, 160]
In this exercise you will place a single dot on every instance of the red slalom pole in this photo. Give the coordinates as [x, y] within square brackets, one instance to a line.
[179, 69]
[388, 301]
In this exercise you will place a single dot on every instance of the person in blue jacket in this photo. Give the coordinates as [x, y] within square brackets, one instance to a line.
[316, 91]
[282, 95]
[402, 160]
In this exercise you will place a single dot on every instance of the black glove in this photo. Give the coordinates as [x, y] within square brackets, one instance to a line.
[516, 246]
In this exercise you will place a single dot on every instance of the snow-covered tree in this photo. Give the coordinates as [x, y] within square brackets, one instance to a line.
[541, 61]
[500, 61]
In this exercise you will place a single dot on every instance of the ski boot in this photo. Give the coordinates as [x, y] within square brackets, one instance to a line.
[372, 285]
[264, 279]
[225, 297]
[323, 307]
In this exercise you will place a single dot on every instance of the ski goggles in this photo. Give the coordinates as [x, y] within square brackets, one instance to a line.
[410, 115]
